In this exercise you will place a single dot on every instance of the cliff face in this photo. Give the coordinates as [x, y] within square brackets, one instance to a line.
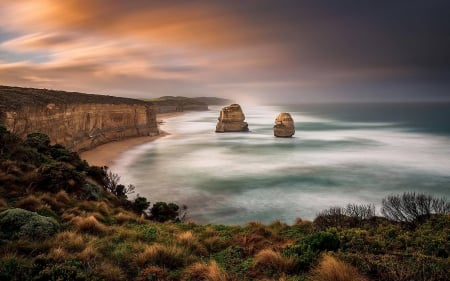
[78, 124]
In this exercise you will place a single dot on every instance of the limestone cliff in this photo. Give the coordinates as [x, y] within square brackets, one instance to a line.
[284, 125]
[77, 121]
[231, 119]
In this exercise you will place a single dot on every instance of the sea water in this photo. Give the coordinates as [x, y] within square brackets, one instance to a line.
[340, 154]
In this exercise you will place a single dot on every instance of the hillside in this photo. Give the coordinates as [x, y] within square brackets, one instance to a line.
[61, 219]
[18, 97]
[214, 101]
[176, 104]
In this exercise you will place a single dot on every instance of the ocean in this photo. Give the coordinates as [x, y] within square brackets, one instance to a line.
[340, 154]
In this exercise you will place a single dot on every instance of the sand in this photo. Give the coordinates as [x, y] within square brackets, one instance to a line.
[106, 154]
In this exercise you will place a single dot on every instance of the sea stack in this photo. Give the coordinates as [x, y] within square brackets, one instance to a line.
[284, 126]
[231, 119]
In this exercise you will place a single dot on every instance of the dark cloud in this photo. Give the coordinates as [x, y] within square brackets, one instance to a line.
[323, 50]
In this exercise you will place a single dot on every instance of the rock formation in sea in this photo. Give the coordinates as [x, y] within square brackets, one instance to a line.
[231, 119]
[284, 125]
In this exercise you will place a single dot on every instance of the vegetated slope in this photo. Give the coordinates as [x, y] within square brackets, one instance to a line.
[213, 100]
[61, 219]
[171, 104]
[17, 97]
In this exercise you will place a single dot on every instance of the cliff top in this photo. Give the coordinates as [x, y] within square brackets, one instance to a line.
[17, 97]
[171, 100]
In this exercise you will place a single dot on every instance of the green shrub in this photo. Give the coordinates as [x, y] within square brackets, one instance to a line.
[161, 211]
[37, 140]
[140, 204]
[56, 177]
[70, 270]
[308, 250]
[19, 223]
[321, 241]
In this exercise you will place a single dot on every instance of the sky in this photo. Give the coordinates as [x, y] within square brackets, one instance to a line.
[250, 51]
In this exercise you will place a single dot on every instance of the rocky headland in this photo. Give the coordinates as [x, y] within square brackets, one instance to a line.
[231, 119]
[75, 120]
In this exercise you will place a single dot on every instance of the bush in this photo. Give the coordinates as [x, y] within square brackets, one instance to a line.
[412, 207]
[19, 223]
[351, 215]
[140, 204]
[97, 173]
[38, 140]
[56, 177]
[321, 241]
[161, 211]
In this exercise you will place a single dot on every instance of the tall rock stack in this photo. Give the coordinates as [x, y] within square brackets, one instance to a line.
[284, 126]
[231, 119]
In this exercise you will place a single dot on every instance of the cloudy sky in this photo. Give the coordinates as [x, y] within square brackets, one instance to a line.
[247, 50]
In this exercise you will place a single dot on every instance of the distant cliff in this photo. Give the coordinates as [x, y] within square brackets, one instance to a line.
[77, 121]
[177, 104]
[213, 100]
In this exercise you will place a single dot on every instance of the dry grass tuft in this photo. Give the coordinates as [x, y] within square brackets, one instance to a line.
[58, 254]
[268, 259]
[51, 200]
[188, 240]
[111, 272]
[89, 254]
[125, 217]
[215, 243]
[103, 208]
[30, 203]
[205, 272]
[89, 225]
[141, 219]
[62, 197]
[165, 256]
[332, 269]
[69, 240]
[154, 273]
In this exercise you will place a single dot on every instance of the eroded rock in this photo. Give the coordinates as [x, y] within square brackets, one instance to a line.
[231, 119]
[284, 125]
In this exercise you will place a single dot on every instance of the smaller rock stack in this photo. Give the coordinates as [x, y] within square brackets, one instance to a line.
[284, 126]
[231, 119]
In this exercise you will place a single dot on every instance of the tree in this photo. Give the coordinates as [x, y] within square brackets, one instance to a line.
[140, 204]
[412, 207]
[161, 211]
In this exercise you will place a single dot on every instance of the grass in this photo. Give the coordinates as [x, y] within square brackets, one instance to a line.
[270, 261]
[69, 240]
[170, 256]
[332, 269]
[30, 203]
[89, 225]
[205, 272]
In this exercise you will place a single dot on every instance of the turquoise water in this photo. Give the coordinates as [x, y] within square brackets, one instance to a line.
[340, 154]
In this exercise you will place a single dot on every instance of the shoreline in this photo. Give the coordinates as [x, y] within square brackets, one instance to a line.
[106, 154]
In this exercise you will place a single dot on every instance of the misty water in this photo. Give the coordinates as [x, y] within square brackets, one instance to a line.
[340, 154]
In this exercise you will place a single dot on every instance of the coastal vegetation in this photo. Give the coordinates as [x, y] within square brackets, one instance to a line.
[62, 219]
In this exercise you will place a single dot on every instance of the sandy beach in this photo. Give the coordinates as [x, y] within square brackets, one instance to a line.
[104, 155]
